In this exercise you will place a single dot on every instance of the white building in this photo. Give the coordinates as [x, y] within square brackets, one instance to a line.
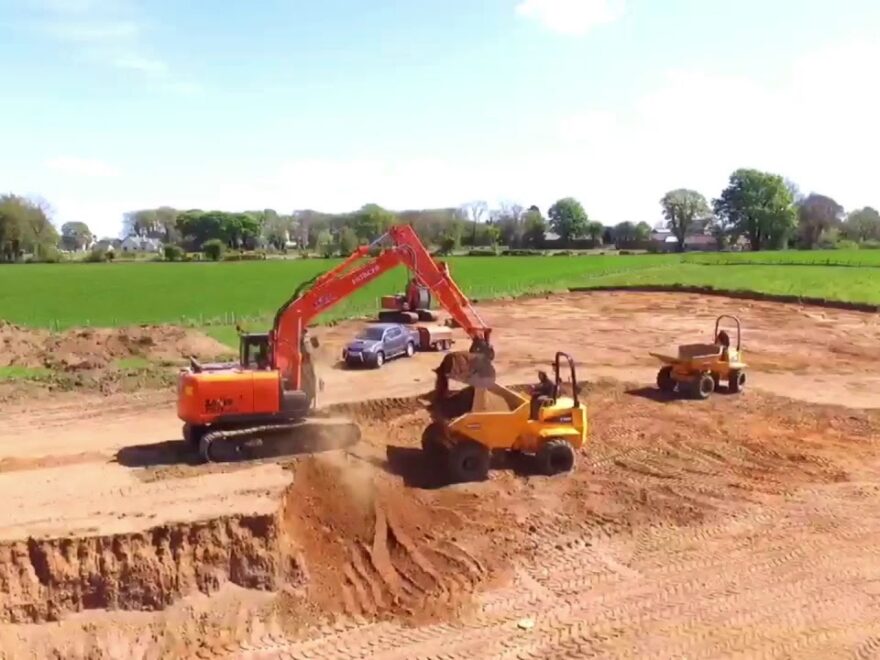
[141, 244]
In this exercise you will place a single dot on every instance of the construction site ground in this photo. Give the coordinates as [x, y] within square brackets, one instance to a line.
[741, 526]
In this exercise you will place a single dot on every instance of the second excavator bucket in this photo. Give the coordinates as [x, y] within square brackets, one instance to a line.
[472, 368]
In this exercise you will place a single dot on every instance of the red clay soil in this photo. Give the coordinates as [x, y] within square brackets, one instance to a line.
[375, 550]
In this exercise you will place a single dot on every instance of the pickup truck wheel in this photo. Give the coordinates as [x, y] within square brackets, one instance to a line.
[379, 360]
[410, 349]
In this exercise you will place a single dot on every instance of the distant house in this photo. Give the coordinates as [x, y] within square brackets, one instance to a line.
[107, 244]
[665, 241]
[140, 244]
[701, 243]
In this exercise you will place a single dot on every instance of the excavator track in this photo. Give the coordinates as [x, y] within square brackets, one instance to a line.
[278, 440]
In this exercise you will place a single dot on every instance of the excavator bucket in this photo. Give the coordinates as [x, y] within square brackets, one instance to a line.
[472, 368]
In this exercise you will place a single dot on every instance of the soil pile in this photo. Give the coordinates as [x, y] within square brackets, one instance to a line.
[376, 549]
[98, 348]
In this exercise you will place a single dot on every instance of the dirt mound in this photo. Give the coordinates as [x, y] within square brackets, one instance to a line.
[376, 549]
[89, 349]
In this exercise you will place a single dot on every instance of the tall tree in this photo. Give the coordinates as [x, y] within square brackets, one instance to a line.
[76, 236]
[568, 219]
[348, 241]
[682, 208]
[534, 228]
[643, 231]
[276, 229]
[625, 232]
[159, 223]
[863, 225]
[509, 221]
[371, 221]
[595, 230]
[759, 206]
[476, 212]
[25, 226]
[236, 230]
[817, 214]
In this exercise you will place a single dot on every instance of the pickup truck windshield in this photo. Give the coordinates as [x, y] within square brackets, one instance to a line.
[374, 334]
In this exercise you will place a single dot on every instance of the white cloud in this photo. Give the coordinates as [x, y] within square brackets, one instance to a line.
[572, 17]
[110, 32]
[87, 167]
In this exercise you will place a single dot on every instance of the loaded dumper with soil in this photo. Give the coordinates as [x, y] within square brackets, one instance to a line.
[468, 425]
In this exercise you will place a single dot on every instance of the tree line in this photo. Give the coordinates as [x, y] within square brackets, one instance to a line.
[758, 209]
[768, 213]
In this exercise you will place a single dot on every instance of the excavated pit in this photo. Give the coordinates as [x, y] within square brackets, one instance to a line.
[343, 533]
[42, 580]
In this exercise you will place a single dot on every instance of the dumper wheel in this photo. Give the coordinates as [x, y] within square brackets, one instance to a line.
[665, 381]
[736, 382]
[704, 386]
[555, 456]
[469, 461]
[432, 440]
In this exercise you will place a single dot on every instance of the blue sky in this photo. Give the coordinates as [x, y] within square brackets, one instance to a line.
[112, 105]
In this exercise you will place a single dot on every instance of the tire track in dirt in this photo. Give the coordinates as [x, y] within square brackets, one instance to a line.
[610, 615]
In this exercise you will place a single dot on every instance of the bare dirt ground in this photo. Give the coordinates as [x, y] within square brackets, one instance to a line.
[743, 526]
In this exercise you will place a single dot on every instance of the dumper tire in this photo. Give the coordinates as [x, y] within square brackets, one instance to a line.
[703, 386]
[433, 438]
[555, 457]
[468, 461]
[736, 381]
[665, 381]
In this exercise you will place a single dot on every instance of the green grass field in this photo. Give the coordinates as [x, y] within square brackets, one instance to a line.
[217, 295]
[860, 285]
[64, 295]
[859, 258]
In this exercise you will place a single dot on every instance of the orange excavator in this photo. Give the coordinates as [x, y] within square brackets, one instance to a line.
[272, 389]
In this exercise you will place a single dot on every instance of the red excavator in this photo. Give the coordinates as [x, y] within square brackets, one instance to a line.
[271, 390]
[410, 307]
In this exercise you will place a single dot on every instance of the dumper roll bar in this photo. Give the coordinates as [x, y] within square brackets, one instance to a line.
[738, 328]
[574, 385]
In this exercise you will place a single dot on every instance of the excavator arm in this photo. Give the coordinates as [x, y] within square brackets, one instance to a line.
[340, 282]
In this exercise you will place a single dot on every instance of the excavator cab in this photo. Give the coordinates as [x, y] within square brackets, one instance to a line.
[254, 350]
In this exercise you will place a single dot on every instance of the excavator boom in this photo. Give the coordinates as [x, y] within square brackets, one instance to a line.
[403, 248]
